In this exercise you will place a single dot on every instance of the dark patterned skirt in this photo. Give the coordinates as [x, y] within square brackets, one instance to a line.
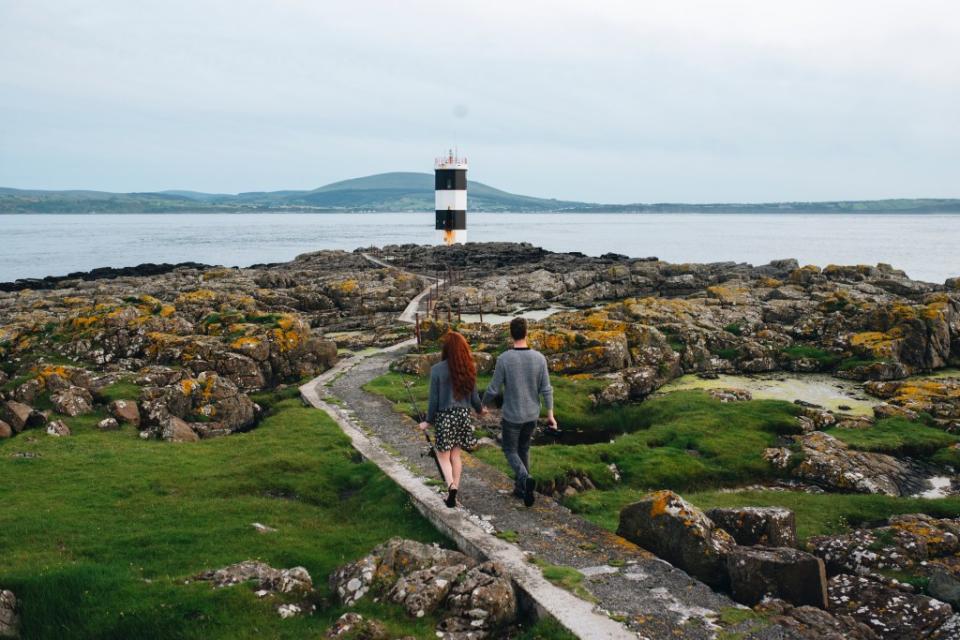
[454, 429]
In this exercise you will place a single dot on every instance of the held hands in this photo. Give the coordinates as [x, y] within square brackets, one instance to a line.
[552, 422]
[423, 425]
[483, 411]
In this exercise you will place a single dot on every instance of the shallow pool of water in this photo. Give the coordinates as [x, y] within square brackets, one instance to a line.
[497, 318]
[824, 390]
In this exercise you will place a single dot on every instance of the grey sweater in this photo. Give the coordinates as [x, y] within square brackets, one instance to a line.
[441, 393]
[523, 377]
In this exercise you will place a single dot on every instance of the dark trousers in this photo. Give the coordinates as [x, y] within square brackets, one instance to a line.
[515, 440]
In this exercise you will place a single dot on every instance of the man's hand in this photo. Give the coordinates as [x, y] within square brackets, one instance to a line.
[552, 422]
[483, 412]
[423, 426]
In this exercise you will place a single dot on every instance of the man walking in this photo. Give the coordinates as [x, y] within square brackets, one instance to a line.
[522, 378]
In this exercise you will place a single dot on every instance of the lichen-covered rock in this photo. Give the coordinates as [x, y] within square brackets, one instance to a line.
[777, 572]
[108, 424]
[73, 401]
[730, 395]
[768, 526]
[58, 429]
[355, 627]
[482, 599]
[939, 398]
[9, 617]
[422, 592]
[667, 525]
[812, 623]
[295, 580]
[6, 430]
[829, 463]
[910, 543]
[891, 613]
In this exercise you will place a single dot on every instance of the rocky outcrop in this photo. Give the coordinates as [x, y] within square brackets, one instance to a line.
[72, 401]
[831, 464]
[125, 412]
[355, 627]
[768, 526]
[812, 623]
[939, 398]
[891, 613]
[473, 600]
[757, 573]
[212, 404]
[295, 580]
[667, 525]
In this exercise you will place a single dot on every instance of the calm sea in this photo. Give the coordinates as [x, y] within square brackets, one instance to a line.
[925, 246]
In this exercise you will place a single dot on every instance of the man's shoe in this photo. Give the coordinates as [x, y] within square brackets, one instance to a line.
[528, 490]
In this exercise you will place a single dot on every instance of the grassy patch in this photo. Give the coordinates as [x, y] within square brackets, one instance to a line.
[564, 577]
[735, 328]
[857, 361]
[545, 629]
[103, 528]
[727, 353]
[897, 436]
[120, 390]
[509, 535]
[807, 352]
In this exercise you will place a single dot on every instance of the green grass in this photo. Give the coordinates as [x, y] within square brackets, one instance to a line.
[806, 352]
[564, 577]
[683, 440]
[102, 530]
[857, 361]
[120, 390]
[897, 436]
[545, 629]
[727, 353]
[735, 328]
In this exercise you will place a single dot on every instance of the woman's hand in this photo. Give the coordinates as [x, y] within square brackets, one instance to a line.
[483, 412]
[423, 425]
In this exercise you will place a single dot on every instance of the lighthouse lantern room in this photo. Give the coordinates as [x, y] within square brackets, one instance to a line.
[450, 174]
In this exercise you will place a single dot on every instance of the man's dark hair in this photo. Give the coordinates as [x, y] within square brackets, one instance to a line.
[518, 328]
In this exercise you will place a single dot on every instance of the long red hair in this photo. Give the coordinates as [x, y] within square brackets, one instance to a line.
[463, 370]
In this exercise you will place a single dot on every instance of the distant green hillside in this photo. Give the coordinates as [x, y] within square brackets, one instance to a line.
[404, 191]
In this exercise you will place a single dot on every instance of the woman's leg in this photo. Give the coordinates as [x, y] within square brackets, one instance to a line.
[443, 457]
[456, 465]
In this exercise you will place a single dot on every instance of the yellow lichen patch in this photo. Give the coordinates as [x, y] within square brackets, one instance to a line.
[879, 344]
[551, 342]
[902, 313]
[200, 295]
[286, 340]
[728, 295]
[286, 322]
[81, 323]
[72, 301]
[772, 283]
[348, 286]
[167, 310]
[187, 386]
[245, 342]
[148, 300]
[660, 501]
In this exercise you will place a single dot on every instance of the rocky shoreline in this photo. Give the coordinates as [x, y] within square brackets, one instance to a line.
[181, 353]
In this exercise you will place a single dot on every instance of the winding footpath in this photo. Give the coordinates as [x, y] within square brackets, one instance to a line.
[631, 594]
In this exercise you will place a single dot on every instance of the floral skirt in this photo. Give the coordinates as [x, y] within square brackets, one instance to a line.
[454, 429]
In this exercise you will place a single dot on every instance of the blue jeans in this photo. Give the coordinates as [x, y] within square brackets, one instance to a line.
[515, 440]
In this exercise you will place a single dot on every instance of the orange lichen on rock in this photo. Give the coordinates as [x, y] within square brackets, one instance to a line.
[200, 295]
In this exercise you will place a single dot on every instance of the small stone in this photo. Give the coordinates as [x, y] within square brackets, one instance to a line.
[108, 424]
[58, 428]
[262, 528]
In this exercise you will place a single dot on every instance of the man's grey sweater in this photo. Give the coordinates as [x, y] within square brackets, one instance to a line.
[523, 377]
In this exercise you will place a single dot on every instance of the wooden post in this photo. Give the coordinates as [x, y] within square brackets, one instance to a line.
[459, 318]
[416, 327]
[480, 304]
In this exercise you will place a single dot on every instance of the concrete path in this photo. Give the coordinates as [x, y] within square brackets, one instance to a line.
[630, 593]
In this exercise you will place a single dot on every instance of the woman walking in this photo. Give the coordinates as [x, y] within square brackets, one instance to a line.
[453, 392]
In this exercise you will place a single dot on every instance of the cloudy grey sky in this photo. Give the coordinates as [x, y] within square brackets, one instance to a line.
[607, 100]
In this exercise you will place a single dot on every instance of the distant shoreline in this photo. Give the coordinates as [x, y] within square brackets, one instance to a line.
[765, 212]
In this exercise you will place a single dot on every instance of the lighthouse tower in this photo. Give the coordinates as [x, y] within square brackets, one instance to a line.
[451, 198]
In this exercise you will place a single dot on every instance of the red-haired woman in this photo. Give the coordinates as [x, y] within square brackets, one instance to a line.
[453, 392]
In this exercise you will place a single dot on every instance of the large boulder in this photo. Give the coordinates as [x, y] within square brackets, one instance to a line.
[749, 526]
[777, 572]
[9, 619]
[667, 525]
[422, 592]
[5, 430]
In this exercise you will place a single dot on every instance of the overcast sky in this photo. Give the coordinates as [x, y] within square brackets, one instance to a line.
[610, 101]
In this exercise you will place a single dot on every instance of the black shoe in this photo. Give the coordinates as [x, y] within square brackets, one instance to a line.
[451, 500]
[528, 490]
[518, 493]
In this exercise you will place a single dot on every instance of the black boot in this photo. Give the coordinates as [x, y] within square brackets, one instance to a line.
[451, 500]
[528, 490]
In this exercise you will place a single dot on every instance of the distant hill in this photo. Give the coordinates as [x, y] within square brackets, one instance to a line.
[404, 191]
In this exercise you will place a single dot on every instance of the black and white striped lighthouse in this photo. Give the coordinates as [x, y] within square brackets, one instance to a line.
[451, 198]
